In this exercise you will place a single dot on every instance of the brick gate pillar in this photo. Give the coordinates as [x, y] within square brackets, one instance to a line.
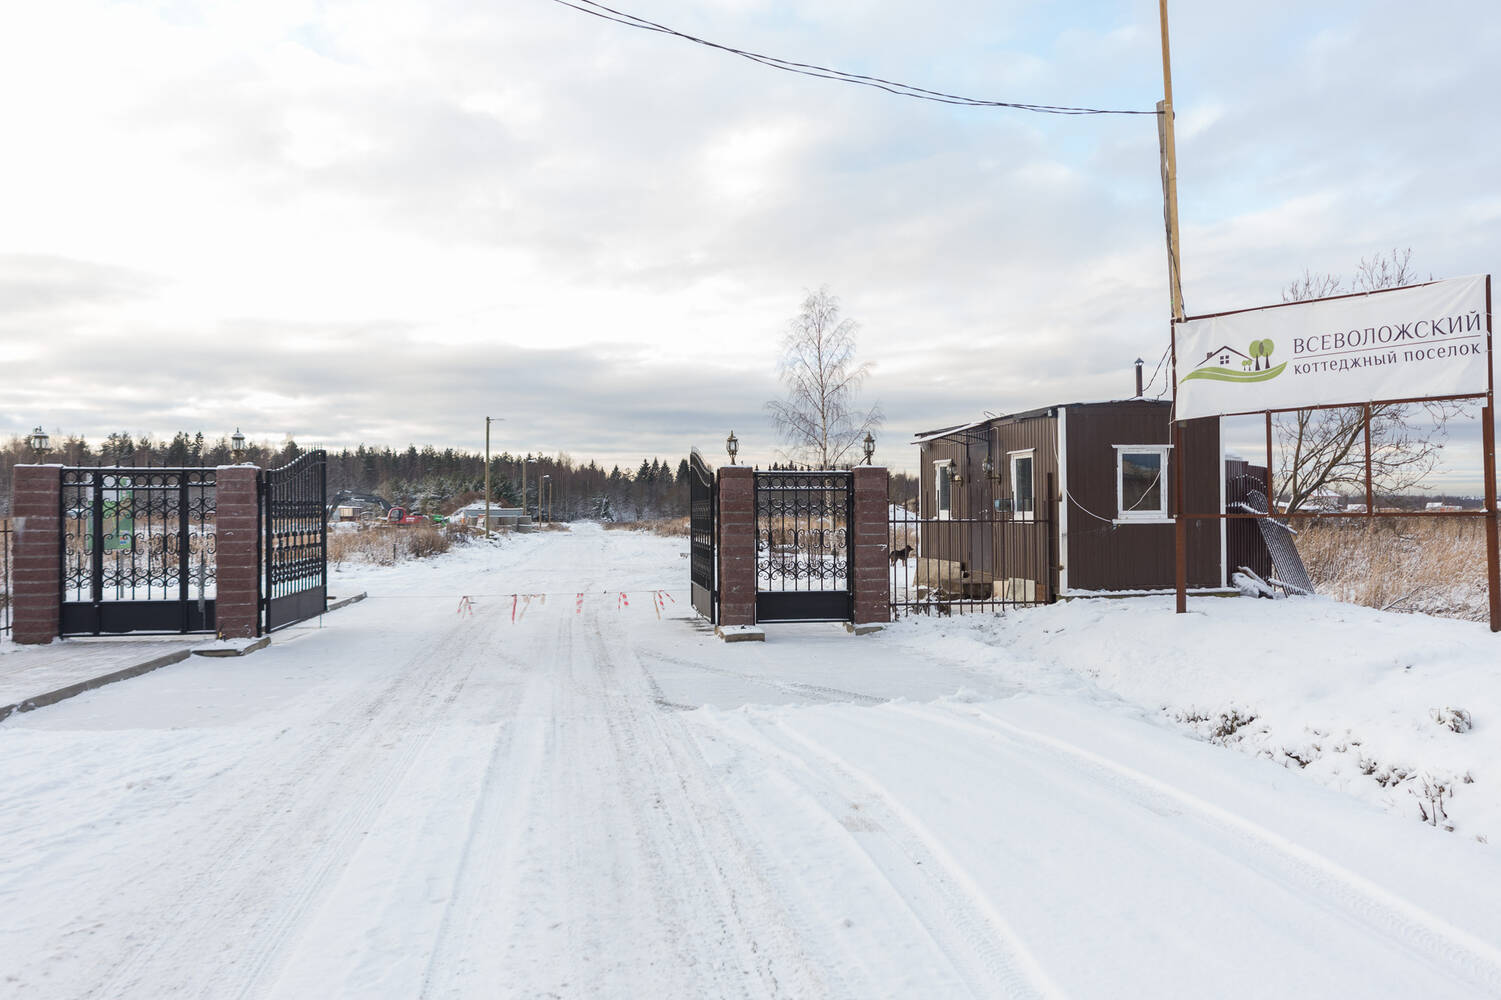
[237, 612]
[737, 545]
[36, 580]
[871, 579]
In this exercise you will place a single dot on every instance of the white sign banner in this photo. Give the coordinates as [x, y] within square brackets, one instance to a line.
[1420, 341]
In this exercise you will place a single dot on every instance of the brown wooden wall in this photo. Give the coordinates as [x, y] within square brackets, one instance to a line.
[1102, 555]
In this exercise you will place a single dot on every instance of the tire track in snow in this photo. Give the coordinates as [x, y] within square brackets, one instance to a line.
[969, 930]
[485, 871]
[795, 688]
[353, 771]
[712, 876]
[1359, 900]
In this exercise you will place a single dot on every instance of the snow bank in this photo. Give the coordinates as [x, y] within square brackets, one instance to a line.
[1402, 710]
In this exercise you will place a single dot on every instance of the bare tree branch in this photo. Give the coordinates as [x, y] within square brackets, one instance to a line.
[1323, 451]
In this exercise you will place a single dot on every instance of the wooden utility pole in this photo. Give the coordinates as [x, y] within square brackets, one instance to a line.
[1169, 171]
[1488, 445]
[487, 477]
[1175, 290]
[488, 422]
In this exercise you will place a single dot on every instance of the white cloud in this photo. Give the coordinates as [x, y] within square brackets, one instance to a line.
[364, 213]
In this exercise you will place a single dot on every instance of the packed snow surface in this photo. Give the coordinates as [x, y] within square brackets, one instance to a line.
[566, 787]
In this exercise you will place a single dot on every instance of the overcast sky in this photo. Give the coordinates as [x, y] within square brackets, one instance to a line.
[381, 221]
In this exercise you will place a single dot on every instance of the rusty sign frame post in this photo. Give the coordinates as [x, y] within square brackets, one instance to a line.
[1488, 453]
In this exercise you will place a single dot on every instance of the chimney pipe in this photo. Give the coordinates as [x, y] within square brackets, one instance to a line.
[1138, 378]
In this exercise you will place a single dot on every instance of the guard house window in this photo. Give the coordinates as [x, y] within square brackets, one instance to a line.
[1023, 486]
[943, 488]
[1141, 482]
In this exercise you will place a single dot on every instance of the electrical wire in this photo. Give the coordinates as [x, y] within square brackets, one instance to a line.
[1165, 385]
[825, 73]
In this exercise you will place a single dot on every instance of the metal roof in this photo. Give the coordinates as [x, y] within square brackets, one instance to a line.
[967, 430]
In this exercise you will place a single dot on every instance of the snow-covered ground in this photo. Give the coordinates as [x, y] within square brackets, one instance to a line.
[564, 787]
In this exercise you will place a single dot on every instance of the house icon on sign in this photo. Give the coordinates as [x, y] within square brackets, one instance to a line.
[1222, 354]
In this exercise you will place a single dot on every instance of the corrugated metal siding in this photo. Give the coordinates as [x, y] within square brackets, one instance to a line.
[1025, 549]
[1105, 556]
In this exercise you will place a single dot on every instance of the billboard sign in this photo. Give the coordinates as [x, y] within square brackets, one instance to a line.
[1422, 341]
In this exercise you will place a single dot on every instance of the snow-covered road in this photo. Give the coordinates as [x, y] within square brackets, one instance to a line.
[595, 800]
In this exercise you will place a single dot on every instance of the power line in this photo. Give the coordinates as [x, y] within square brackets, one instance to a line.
[825, 73]
[1166, 385]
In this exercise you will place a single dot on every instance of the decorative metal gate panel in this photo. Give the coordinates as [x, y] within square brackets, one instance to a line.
[803, 546]
[703, 501]
[138, 550]
[295, 546]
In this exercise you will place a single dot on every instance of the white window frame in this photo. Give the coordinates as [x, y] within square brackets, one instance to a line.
[1157, 515]
[940, 512]
[1011, 459]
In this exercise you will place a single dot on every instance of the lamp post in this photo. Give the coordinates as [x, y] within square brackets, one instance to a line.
[732, 445]
[40, 444]
[237, 447]
[546, 485]
[870, 447]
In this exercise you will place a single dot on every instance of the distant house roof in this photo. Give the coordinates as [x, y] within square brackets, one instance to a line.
[495, 510]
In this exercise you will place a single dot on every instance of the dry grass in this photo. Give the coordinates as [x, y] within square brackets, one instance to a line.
[386, 545]
[672, 527]
[1432, 565]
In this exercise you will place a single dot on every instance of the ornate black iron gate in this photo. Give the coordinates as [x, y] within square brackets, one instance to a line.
[295, 543]
[704, 539]
[138, 551]
[803, 544]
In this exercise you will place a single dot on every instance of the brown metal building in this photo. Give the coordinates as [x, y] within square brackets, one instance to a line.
[1067, 500]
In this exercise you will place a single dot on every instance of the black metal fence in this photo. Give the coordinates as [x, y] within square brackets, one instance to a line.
[981, 562]
[803, 541]
[6, 536]
[138, 550]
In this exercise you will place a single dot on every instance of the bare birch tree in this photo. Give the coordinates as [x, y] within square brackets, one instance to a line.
[819, 420]
[1324, 450]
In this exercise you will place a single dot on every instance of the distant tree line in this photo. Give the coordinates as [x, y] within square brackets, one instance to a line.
[432, 480]
[428, 479]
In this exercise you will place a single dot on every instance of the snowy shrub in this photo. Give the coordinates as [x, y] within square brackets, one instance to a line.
[1455, 719]
[386, 546]
[1230, 723]
[672, 527]
[1430, 792]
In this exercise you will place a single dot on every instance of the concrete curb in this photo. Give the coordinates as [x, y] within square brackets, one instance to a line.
[346, 602]
[245, 648]
[62, 694]
[740, 633]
